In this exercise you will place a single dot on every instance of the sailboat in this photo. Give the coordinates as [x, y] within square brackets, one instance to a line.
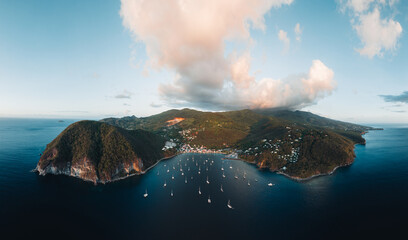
[165, 184]
[230, 167]
[188, 169]
[222, 169]
[223, 175]
[209, 199]
[208, 182]
[199, 190]
[222, 190]
[185, 180]
[236, 177]
[171, 193]
[256, 180]
[249, 183]
[182, 174]
[206, 169]
[172, 176]
[229, 204]
[157, 173]
[145, 195]
[168, 170]
[270, 184]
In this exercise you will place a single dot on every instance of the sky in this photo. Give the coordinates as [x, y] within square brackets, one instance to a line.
[343, 59]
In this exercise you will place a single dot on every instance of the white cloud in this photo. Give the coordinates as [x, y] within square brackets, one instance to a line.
[188, 37]
[359, 5]
[376, 34]
[283, 36]
[298, 32]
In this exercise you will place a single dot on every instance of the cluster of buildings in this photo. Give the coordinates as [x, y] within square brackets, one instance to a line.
[186, 148]
[290, 151]
[188, 134]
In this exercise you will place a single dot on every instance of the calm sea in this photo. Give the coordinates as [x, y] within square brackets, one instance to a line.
[368, 198]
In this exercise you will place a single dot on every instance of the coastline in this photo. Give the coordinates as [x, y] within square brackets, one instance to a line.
[108, 181]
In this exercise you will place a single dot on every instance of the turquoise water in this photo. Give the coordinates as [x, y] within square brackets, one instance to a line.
[366, 199]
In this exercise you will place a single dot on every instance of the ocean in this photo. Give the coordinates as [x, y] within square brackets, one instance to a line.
[366, 199]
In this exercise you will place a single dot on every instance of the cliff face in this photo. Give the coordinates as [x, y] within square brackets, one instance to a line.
[98, 152]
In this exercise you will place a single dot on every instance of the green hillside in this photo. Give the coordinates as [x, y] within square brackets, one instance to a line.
[101, 152]
[299, 144]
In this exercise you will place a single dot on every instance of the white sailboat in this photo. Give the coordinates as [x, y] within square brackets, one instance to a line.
[165, 184]
[256, 180]
[199, 190]
[270, 184]
[198, 172]
[172, 176]
[185, 180]
[249, 183]
[168, 170]
[222, 190]
[236, 177]
[229, 204]
[223, 175]
[230, 167]
[182, 174]
[222, 169]
[145, 195]
[171, 193]
[209, 199]
[208, 182]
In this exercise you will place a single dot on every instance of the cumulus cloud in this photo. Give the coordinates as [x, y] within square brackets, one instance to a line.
[189, 37]
[283, 36]
[377, 34]
[402, 98]
[124, 95]
[298, 32]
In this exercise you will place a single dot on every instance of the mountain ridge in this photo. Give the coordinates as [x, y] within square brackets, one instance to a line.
[296, 143]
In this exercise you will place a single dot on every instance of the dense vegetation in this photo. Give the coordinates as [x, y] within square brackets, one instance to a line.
[106, 148]
[301, 144]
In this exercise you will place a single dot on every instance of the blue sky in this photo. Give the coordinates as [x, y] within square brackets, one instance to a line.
[76, 59]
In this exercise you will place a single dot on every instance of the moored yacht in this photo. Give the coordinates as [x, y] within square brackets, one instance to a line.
[229, 204]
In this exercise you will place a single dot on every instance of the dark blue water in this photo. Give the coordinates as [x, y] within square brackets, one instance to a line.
[366, 199]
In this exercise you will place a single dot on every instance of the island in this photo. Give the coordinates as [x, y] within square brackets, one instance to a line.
[298, 144]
